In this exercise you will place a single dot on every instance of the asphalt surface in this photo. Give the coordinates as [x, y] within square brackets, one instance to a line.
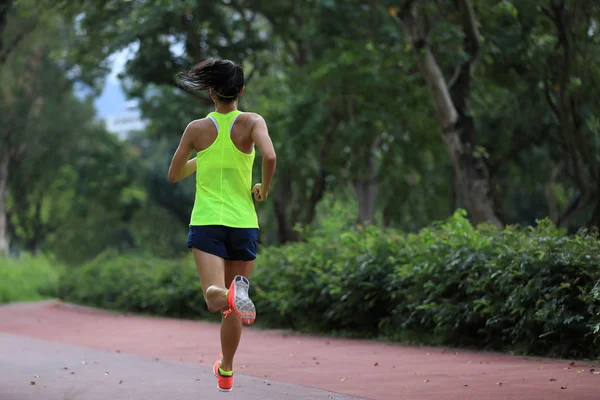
[41, 339]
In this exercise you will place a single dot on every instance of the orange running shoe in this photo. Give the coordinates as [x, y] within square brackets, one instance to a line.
[224, 383]
[239, 301]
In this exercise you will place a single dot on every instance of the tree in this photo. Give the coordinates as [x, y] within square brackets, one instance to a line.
[452, 102]
[11, 35]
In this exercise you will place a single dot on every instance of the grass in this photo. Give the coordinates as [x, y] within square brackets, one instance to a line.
[28, 278]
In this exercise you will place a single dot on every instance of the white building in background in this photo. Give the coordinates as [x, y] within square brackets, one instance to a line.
[126, 122]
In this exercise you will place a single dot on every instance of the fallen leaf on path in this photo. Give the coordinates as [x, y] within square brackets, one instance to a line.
[541, 367]
[572, 363]
[198, 380]
[580, 371]
[314, 358]
[563, 387]
[317, 363]
[499, 383]
[466, 385]
[244, 367]
[36, 376]
[426, 380]
[118, 351]
[65, 368]
[120, 382]
[158, 359]
[552, 380]
[106, 373]
[32, 383]
[72, 373]
[376, 364]
[84, 363]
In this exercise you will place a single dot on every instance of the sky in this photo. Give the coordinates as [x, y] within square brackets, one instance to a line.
[112, 101]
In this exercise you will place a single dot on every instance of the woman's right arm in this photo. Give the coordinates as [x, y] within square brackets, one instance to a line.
[181, 166]
[260, 136]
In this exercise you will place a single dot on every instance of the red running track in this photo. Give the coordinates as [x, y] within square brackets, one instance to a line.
[360, 368]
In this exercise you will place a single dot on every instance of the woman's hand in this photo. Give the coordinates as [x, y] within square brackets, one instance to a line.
[260, 192]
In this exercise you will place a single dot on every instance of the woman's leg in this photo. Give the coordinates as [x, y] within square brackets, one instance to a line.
[211, 271]
[231, 327]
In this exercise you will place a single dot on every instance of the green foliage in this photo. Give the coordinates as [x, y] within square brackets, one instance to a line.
[532, 290]
[136, 283]
[28, 278]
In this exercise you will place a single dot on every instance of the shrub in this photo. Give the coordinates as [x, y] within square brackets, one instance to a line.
[27, 278]
[136, 283]
[529, 290]
[533, 290]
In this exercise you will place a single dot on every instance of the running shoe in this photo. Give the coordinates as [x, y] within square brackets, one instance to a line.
[224, 383]
[239, 301]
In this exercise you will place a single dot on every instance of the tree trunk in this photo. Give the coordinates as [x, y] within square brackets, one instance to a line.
[550, 192]
[452, 112]
[4, 242]
[4, 8]
[366, 187]
[283, 198]
[366, 193]
[594, 222]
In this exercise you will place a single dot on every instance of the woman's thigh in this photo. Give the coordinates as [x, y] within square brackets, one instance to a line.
[211, 269]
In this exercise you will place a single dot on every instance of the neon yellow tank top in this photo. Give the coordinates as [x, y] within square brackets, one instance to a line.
[224, 180]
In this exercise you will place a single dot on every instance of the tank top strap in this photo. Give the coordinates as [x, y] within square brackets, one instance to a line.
[224, 122]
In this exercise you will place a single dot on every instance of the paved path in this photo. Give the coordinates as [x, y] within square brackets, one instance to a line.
[187, 349]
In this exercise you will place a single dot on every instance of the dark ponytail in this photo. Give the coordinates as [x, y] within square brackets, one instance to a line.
[225, 77]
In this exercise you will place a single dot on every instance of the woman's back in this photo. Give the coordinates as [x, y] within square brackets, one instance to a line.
[224, 171]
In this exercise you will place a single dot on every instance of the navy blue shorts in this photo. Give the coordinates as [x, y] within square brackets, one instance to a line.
[237, 244]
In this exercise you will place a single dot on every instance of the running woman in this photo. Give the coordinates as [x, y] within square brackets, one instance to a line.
[223, 233]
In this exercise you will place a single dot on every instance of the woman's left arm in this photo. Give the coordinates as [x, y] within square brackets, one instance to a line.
[181, 165]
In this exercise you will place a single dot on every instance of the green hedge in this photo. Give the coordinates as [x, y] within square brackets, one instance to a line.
[533, 291]
[27, 278]
[136, 283]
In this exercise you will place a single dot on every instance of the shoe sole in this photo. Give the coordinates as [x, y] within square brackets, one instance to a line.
[242, 304]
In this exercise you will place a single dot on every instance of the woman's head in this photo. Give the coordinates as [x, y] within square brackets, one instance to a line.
[223, 78]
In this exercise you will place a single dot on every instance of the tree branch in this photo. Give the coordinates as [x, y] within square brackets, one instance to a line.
[5, 51]
[194, 39]
[469, 22]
